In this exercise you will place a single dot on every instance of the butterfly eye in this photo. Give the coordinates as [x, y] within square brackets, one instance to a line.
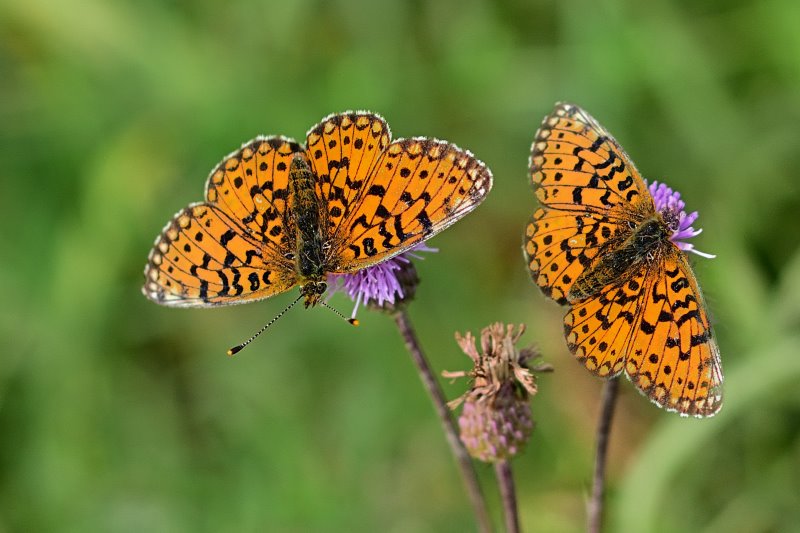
[321, 287]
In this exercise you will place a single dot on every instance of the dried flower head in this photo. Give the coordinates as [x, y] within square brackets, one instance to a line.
[384, 285]
[672, 208]
[496, 419]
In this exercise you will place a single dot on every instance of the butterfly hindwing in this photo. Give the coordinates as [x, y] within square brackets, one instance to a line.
[236, 246]
[599, 329]
[203, 258]
[561, 245]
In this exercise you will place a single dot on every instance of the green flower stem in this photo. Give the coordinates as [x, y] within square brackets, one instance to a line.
[505, 478]
[595, 507]
[448, 424]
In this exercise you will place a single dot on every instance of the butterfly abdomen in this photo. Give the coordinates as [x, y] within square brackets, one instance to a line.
[306, 212]
[622, 260]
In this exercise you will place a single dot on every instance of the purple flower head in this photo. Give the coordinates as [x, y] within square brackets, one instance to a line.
[671, 207]
[380, 284]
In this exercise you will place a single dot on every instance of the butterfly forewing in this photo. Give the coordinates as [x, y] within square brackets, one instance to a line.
[417, 188]
[577, 165]
[674, 358]
[343, 149]
[654, 326]
[252, 186]
[236, 246]
[591, 193]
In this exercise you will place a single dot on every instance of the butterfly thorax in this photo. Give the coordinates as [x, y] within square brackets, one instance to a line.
[624, 257]
[306, 214]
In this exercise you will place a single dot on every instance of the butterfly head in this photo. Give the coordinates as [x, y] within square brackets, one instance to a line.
[313, 291]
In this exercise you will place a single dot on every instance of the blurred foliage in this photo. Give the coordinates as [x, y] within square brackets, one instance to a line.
[118, 415]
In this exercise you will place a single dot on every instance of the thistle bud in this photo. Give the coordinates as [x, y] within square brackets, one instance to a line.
[496, 419]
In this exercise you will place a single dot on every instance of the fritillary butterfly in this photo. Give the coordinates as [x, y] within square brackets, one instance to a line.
[278, 214]
[600, 244]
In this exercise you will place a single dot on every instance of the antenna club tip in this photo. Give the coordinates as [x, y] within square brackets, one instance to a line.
[233, 351]
[354, 321]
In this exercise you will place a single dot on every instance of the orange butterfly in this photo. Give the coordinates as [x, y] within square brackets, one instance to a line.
[277, 214]
[614, 250]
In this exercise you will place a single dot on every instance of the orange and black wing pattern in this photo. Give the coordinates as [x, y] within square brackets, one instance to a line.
[590, 194]
[384, 196]
[648, 319]
[236, 246]
[653, 325]
[576, 165]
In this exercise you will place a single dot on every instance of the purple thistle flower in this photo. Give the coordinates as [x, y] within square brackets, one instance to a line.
[382, 284]
[671, 207]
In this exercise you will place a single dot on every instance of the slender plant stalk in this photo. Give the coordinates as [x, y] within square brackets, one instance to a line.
[608, 401]
[451, 431]
[505, 478]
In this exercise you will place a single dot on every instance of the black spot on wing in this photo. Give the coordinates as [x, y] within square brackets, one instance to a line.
[425, 221]
[254, 281]
[226, 237]
[369, 246]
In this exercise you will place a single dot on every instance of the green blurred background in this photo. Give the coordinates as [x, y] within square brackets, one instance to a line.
[119, 415]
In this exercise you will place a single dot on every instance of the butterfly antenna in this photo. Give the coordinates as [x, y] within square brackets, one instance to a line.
[238, 348]
[353, 321]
